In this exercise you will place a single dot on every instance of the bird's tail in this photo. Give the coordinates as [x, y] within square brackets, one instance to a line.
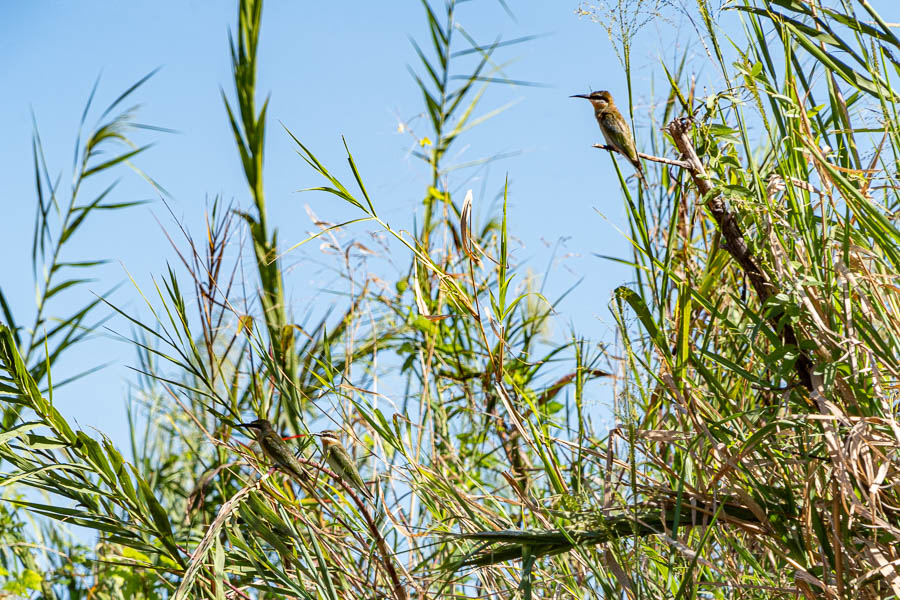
[359, 484]
[639, 169]
[365, 491]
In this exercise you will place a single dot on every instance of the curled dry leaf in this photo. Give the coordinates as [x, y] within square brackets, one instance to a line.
[245, 322]
[420, 300]
[465, 226]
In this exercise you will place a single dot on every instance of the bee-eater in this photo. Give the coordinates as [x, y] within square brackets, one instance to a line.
[615, 129]
[340, 461]
[276, 449]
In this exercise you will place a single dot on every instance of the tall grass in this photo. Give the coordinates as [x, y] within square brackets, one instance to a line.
[756, 452]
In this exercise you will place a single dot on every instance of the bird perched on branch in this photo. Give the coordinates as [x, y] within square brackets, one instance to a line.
[340, 461]
[276, 449]
[615, 129]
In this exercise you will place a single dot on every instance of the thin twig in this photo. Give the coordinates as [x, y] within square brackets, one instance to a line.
[650, 157]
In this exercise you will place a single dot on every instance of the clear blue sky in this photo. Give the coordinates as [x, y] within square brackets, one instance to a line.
[332, 69]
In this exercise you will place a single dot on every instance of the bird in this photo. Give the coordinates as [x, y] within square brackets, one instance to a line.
[615, 129]
[340, 461]
[276, 449]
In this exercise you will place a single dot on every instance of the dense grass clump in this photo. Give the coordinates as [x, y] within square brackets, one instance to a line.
[757, 451]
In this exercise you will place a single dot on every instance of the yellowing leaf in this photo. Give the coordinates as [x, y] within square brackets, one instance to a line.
[245, 322]
[437, 194]
[31, 579]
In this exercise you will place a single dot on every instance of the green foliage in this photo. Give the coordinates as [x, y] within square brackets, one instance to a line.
[755, 454]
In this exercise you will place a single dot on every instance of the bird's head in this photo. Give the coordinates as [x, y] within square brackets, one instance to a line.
[601, 100]
[258, 426]
[329, 438]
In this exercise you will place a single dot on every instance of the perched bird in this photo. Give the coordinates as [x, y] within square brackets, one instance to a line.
[276, 449]
[340, 461]
[615, 129]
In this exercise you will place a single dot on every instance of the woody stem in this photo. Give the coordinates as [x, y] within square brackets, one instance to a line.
[650, 157]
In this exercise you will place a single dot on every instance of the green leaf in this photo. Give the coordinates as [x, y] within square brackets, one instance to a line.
[114, 161]
[160, 519]
[18, 430]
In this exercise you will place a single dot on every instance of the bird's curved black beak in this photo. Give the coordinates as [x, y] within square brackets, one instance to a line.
[585, 96]
[247, 425]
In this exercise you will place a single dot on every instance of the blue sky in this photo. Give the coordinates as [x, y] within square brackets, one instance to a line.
[332, 69]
